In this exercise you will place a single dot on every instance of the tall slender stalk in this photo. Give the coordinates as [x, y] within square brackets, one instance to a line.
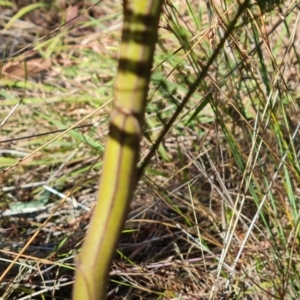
[119, 173]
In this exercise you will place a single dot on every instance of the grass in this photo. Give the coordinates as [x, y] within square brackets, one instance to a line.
[216, 211]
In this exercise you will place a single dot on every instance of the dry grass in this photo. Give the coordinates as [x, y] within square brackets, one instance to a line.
[216, 213]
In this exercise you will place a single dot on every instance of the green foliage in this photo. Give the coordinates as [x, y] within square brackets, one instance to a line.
[222, 116]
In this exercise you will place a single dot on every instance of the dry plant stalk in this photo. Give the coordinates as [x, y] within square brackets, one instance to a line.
[120, 161]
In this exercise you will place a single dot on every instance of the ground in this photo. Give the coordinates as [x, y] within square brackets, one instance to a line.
[216, 213]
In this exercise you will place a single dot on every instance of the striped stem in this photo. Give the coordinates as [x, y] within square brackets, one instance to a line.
[119, 173]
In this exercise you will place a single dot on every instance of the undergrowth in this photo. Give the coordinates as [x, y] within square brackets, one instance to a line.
[216, 213]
